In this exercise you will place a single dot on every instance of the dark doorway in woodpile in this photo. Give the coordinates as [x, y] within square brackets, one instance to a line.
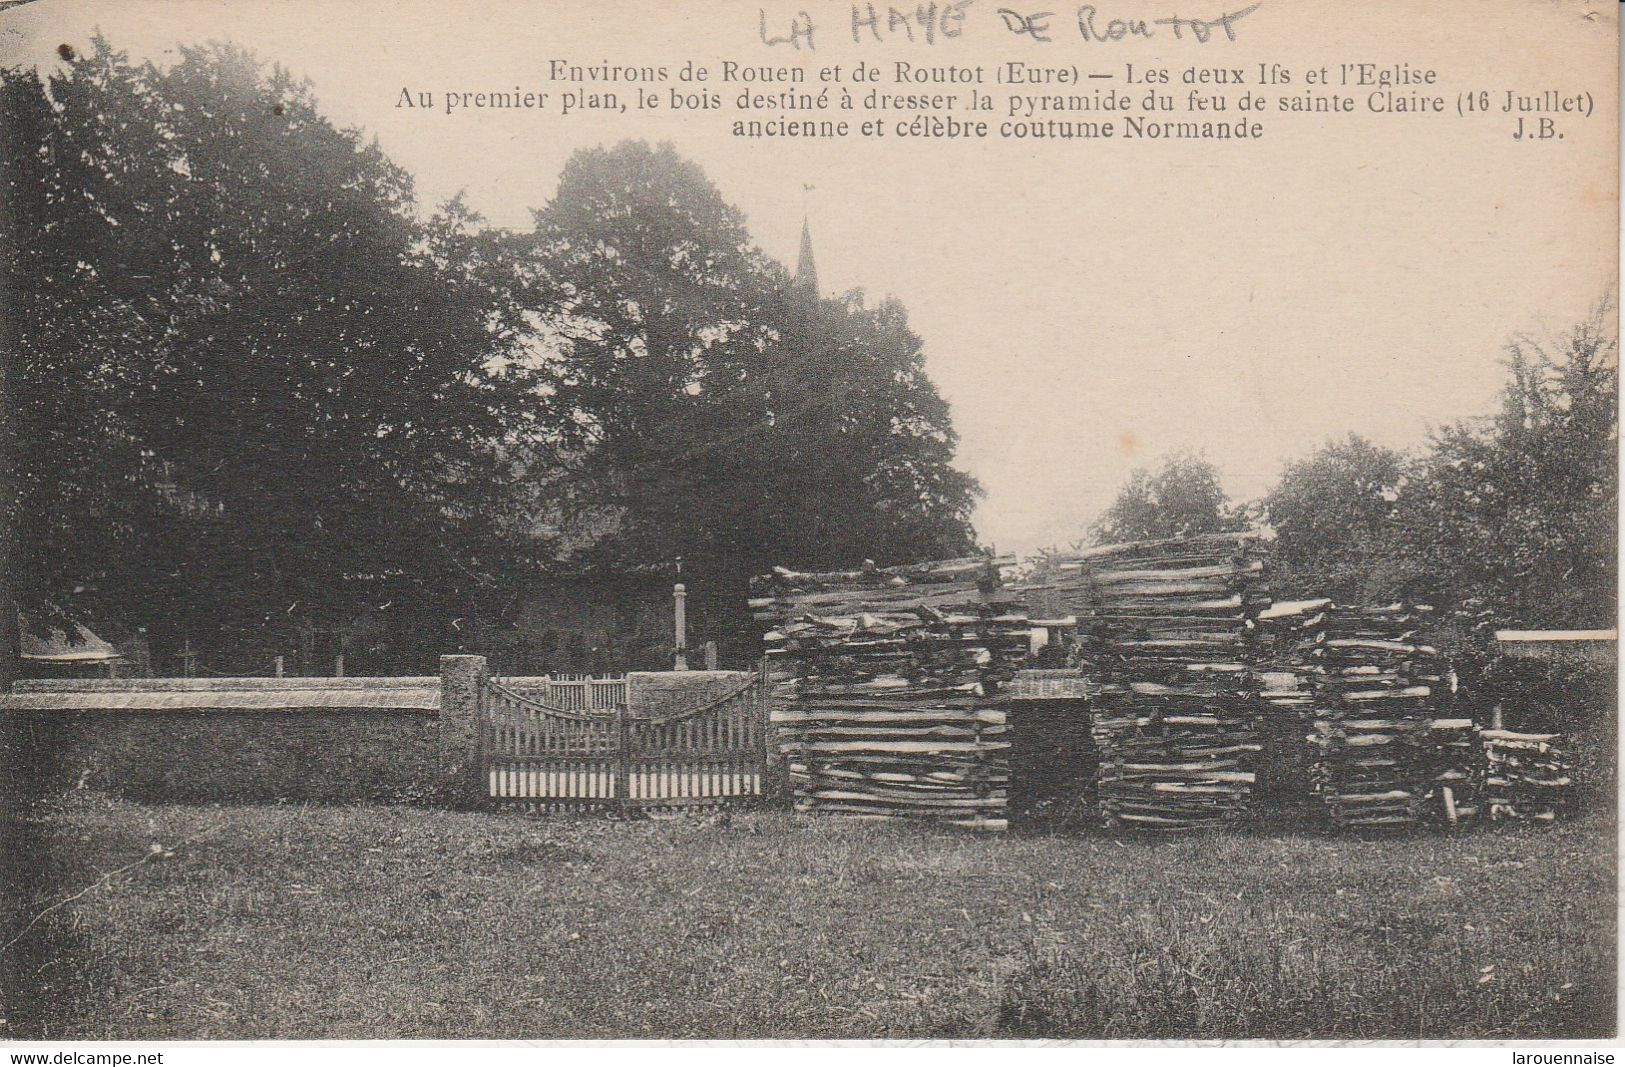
[1054, 765]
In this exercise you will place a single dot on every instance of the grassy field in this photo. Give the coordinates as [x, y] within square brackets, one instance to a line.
[291, 922]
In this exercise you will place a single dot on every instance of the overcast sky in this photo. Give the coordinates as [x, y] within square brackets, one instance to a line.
[1086, 306]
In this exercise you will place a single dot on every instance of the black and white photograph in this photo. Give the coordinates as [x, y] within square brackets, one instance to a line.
[808, 521]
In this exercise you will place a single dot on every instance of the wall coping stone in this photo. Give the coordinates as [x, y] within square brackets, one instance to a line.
[211, 685]
[418, 694]
[414, 701]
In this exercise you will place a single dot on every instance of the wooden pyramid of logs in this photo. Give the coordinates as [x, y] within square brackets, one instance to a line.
[1382, 751]
[890, 699]
[1527, 776]
[1166, 628]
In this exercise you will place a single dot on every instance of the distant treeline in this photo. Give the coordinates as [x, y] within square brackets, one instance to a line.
[1510, 518]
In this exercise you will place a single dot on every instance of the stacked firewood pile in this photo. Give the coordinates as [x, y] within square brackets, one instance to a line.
[1528, 776]
[891, 702]
[1175, 758]
[1382, 750]
[1166, 628]
[1188, 696]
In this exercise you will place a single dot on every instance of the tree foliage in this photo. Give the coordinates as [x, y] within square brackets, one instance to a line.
[250, 386]
[1513, 515]
[1520, 510]
[1514, 512]
[1180, 499]
[715, 413]
[1332, 513]
[254, 392]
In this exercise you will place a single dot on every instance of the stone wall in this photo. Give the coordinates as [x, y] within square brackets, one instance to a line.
[227, 756]
[203, 740]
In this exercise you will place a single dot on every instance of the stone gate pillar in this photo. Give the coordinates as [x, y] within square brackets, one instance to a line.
[462, 730]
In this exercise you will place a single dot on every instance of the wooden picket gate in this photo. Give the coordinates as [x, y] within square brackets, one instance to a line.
[576, 745]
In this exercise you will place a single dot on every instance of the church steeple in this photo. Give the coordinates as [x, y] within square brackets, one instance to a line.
[806, 269]
[806, 277]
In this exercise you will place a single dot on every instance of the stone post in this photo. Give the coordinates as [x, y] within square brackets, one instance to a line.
[679, 594]
[462, 730]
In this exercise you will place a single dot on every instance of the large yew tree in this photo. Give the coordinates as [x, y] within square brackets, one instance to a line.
[712, 410]
[249, 389]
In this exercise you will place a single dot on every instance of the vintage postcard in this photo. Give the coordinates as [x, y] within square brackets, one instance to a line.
[806, 520]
